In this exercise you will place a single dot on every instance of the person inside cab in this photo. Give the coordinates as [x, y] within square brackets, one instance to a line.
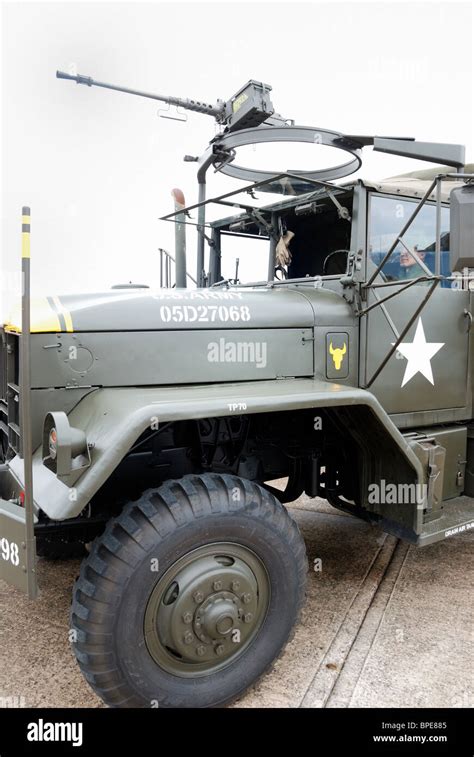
[409, 266]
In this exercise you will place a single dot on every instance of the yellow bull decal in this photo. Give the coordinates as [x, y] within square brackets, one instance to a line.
[337, 355]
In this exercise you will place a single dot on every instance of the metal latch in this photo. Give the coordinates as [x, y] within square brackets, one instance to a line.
[433, 458]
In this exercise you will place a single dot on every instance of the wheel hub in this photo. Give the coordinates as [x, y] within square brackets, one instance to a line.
[206, 609]
[217, 616]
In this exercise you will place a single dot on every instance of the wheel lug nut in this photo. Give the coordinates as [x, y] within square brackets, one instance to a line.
[217, 585]
[246, 598]
[220, 649]
[198, 596]
[187, 617]
[188, 637]
[248, 617]
[235, 585]
[200, 650]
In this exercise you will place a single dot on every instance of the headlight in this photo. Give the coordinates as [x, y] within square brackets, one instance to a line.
[53, 439]
[65, 449]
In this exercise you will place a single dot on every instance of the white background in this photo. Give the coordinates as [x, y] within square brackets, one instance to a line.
[97, 167]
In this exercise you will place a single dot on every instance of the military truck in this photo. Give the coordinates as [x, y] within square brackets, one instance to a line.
[146, 430]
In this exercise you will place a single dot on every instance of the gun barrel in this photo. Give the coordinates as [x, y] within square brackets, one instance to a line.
[195, 105]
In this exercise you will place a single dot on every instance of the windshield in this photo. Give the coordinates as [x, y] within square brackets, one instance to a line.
[312, 240]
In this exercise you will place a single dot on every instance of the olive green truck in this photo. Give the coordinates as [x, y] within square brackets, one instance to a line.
[159, 433]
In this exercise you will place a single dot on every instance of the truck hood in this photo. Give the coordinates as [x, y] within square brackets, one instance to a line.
[168, 309]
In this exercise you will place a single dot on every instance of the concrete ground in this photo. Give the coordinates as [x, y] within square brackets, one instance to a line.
[384, 625]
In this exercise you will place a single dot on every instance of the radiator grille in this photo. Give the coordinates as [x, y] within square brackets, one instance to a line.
[9, 392]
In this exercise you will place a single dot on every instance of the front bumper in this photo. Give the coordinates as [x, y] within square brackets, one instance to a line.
[17, 553]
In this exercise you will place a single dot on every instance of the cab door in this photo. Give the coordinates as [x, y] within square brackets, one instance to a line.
[429, 371]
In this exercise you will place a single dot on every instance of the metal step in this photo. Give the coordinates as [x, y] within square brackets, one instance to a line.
[457, 518]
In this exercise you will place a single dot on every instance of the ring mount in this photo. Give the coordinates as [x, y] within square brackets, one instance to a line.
[228, 143]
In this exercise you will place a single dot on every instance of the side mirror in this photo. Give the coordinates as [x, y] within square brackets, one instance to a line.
[462, 227]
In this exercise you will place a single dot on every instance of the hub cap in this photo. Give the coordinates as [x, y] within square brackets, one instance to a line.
[206, 609]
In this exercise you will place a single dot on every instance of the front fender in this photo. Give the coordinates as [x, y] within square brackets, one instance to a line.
[114, 418]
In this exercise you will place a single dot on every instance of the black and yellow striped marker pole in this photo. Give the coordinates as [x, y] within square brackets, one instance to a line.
[26, 450]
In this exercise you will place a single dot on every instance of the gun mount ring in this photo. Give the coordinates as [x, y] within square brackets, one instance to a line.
[308, 134]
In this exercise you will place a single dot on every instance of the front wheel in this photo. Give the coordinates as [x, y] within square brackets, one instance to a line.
[189, 595]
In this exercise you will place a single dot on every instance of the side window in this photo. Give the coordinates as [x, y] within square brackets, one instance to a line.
[388, 215]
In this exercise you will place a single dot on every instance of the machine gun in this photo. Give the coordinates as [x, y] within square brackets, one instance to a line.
[249, 107]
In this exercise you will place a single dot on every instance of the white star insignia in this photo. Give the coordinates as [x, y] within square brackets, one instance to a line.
[418, 354]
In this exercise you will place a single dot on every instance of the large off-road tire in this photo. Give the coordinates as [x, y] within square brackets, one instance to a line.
[189, 595]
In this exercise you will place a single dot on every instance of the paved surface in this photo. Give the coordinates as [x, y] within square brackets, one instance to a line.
[384, 625]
